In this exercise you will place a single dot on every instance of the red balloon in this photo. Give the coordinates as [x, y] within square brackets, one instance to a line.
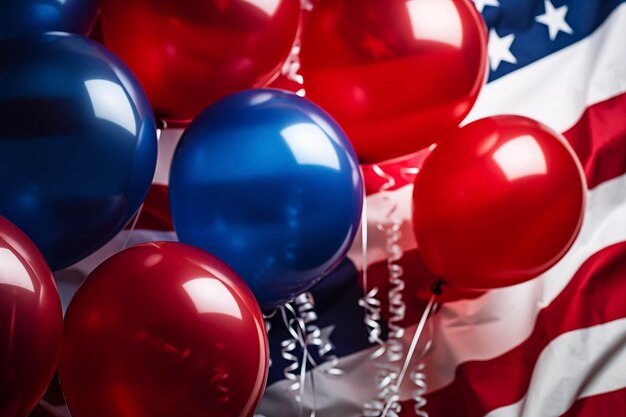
[188, 53]
[31, 323]
[163, 329]
[498, 203]
[396, 74]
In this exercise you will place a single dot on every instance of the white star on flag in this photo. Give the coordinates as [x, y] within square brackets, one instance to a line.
[554, 19]
[500, 49]
[480, 4]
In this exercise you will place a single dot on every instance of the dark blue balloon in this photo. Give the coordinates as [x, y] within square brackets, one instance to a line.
[77, 143]
[18, 17]
[269, 183]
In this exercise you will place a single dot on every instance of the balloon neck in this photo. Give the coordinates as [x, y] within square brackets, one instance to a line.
[437, 287]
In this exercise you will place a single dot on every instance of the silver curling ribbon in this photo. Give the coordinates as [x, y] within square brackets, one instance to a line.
[372, 307]
[287, 352]
[268, 326]
[297, 330]
[391, 405]
[397, 306]
[288, 346]
[418, 375]
[369, 302]
[385, 380]
[391, 227]
[390, 369]
[305, 305]
[291, 66]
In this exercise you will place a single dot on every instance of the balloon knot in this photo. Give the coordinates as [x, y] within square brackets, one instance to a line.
[436, 288]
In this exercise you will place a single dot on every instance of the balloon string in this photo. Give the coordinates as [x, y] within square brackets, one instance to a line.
[53, 410]
[296, 328]
[418, 376]
[132, 227]
[373, 316]
[268, 326]
[389, 407]
[314, 393]
[369, 301]
[389, 370]
[397, 306]
[288, 346]
[305, 304]
[291, 66]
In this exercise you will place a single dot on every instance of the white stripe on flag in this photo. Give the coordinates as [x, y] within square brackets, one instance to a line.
[561, 374]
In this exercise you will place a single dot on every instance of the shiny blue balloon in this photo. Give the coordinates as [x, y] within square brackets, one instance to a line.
[269, 183]
[18, 17]
[77, 143]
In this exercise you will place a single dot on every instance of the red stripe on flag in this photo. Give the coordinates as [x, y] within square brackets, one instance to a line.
[599, 139]
[478, 386]
[602, 405]
[155, 214]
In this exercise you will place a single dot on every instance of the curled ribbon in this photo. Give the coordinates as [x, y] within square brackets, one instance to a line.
[297, 330]
[391, 403]
[268, 326]
[390, 370]
[418, 376]
[372, 307]
[287, 348]
[369, 302]
[291, 66]
[397, 306]
[305, 304]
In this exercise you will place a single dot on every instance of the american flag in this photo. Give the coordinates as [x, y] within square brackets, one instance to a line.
[551, 347]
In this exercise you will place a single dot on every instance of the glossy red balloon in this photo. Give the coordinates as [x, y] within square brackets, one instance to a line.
[396, 74]
[163, 329]
[31, 323]
[189, 53]
[498, 203]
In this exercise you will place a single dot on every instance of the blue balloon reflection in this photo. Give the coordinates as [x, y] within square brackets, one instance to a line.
[77, 143]
[18, 17]
[268, 182]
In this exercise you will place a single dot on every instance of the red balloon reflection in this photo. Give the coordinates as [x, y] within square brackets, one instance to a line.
[396, 74]
[498, 203]
[188, 54]
[163, 329]
[31, 323]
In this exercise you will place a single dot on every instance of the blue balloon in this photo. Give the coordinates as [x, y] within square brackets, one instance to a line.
[78, 143]
[269, 183]
[18, 17]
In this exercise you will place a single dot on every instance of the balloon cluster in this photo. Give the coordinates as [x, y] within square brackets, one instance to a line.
[265, 185]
